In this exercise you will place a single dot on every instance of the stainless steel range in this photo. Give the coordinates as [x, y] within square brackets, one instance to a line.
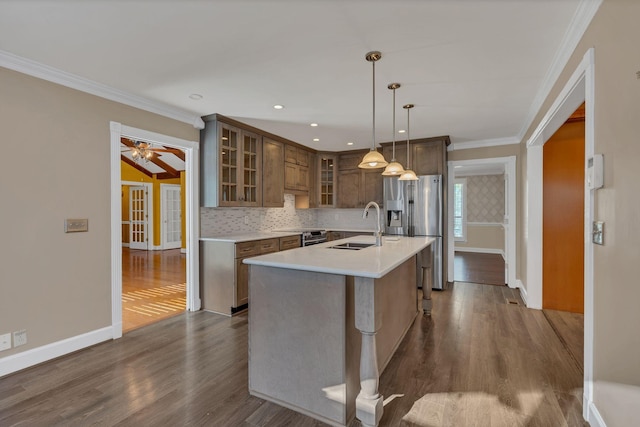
[313, 237]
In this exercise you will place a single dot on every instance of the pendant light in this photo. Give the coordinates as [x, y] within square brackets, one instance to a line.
[408, 174]
[394, 168]
[373, 159]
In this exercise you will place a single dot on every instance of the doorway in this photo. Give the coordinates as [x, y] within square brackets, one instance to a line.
[580, 88]
[190, 255]
[501, 231]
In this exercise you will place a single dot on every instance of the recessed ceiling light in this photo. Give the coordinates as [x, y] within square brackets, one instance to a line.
[401, 131]
[316, 139]
[313, 125]
[349, 143]
[278, 107]
[196, 96]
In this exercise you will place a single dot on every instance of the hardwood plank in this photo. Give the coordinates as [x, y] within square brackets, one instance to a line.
[479, 268]
[476, 361]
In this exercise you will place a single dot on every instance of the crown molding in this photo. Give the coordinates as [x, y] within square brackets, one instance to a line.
[483, 143]
[579, 23]
[54, 75]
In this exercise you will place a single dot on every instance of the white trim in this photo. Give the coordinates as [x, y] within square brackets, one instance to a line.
[585, 12]
[579, 88]
[593, 415]
[523, 291]
[191, 149]
[483, 143]
[510, 218]
[54, 75]
[183, 250]
[479, 250]
[37, 355]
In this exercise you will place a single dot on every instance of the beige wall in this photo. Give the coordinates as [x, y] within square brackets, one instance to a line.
[483, 236]
[56, 152]
[614, 34]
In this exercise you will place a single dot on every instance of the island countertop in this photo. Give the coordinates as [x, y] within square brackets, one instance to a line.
[373, 261]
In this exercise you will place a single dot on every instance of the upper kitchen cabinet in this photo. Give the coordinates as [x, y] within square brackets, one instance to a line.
[357, 187]
[428, 155]
[231, 165]
[296, 169]
[327, 180]
[273, 173]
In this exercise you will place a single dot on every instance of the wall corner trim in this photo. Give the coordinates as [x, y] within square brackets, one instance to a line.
[523, 291]
[593, 415]
[26, 359]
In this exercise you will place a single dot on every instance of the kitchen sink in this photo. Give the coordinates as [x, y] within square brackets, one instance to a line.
[352, 246]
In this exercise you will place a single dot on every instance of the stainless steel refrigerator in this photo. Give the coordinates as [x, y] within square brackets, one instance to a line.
[414, 208]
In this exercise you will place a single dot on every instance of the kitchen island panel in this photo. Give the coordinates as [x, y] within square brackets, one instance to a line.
[301, 342]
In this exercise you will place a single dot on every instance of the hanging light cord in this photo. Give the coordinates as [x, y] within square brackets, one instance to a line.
[373, 84]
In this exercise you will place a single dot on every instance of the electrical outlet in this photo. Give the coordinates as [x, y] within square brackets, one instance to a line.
[19, 338]
[5, 342]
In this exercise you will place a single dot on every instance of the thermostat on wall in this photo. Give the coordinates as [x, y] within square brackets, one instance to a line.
[595, 173]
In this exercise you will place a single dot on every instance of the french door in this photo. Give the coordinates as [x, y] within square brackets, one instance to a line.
[171, 216]
[138, 218]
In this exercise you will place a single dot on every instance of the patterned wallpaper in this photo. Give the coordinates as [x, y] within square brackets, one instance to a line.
[485, 198]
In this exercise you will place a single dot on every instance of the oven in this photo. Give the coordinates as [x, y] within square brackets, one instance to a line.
[313, 237]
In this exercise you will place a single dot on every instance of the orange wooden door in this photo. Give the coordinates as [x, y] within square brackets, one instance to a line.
[563, 220]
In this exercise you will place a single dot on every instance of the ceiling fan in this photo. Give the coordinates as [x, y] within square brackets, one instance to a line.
[145, 150]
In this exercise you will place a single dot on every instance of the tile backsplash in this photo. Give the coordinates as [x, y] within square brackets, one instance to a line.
[215, 221]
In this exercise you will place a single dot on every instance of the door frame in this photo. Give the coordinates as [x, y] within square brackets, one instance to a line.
[192, 154]
[510, 249]
[578, 89]
[163, 214]
[150, 224]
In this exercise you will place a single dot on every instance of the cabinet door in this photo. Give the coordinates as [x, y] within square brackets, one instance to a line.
[401, 153]
[349, 188]
[426, 158]
[326, 188]
[372, 186]
[290, 176]
[251, 169]
[230, 154]
[290, 154]
[242, 283]
[302, 182]
[303, 157]
[272, 173]
[313, 181]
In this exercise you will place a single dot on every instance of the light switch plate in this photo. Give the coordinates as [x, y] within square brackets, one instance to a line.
[597, 232]
[76, 225]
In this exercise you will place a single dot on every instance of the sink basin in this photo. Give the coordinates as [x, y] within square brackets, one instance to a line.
[352, 246]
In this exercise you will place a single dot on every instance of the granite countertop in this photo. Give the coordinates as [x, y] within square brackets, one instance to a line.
[373, 261]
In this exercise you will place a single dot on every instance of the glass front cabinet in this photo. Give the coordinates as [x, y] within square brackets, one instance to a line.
[327, 176]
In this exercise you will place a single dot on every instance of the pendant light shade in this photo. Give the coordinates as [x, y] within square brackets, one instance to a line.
[408, 174]
[394, 168]
[373, 159]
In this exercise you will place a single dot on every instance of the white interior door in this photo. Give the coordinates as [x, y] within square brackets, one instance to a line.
[138, 217]
[171, 216]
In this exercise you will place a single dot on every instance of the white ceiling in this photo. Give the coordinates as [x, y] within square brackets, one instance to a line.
[474, 69]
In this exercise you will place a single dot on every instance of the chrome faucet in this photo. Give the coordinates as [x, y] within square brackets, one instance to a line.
[378, 232]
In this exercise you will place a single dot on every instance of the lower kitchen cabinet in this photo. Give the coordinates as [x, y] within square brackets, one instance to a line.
[224, 278]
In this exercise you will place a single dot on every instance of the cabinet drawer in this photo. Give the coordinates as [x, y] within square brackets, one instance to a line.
[269, 245]
[289, 242]
[244, 249]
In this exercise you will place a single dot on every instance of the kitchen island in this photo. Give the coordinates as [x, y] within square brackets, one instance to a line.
[324, 322]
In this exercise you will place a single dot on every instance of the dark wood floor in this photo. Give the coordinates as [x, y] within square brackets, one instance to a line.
[475, 267]
[477, 361]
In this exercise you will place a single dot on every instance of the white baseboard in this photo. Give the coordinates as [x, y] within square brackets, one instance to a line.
[479, 250]
[523, 290]
[594, 418]
[26, 359]
[125, 245]
[183, 250]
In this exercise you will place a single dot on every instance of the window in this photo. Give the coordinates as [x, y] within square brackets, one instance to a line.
[460, 209]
